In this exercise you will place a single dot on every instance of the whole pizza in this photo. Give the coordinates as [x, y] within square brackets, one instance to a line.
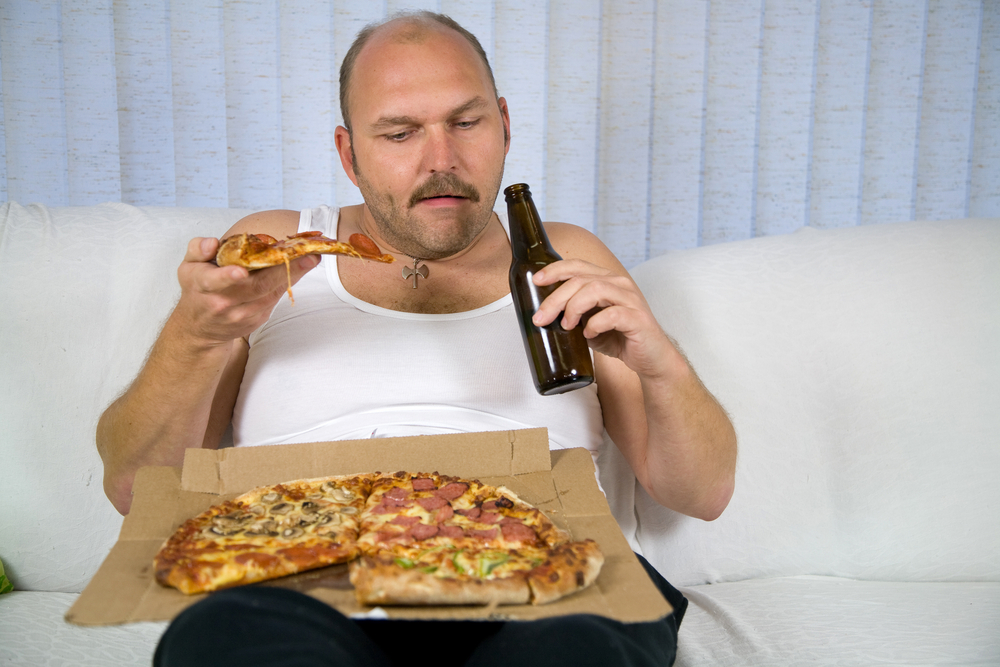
[410, 539]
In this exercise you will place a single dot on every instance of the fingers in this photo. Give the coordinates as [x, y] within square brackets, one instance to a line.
[223, 303]
[585, 290]
[201, 250]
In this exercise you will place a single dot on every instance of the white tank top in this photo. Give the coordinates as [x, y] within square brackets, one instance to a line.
[333, 367]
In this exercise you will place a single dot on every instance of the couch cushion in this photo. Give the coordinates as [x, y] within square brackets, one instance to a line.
[861, 368]
[826, 621]
[33, 633]
[83, 293]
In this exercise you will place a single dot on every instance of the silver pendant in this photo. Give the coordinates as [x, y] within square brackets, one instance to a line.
[418, 271]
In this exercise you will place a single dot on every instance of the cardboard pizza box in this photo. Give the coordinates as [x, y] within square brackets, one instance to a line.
[560, 483]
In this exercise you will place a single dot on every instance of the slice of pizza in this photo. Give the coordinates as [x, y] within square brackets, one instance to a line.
[430, 539]
[259, 251]
[266, 533]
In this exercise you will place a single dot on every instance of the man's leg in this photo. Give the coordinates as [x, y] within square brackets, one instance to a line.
[582, 640]
[265, 626]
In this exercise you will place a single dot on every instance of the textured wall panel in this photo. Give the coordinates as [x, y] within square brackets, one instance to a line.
[786, 110]
[731, 122]
[93, 171]
[520, 67]
[253, 103]
[145, 103]
[678, 125]
[626, 118]
[34, 123]
[984, 187]
[659, 124]
[198, 71]
[308, 97]
[948, 108]
[839, 113]
[574, 80]
[893, 120]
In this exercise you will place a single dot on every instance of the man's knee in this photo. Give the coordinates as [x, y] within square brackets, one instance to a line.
[579, 640]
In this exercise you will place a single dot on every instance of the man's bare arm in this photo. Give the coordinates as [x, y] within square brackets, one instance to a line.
[184, 395]
[675, 435]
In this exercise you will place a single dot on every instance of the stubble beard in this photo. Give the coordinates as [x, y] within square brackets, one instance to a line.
[403, 231]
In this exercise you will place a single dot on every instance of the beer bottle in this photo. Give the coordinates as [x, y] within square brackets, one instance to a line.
[559, 359]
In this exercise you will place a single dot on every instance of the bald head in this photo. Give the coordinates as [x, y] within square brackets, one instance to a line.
[404, 27]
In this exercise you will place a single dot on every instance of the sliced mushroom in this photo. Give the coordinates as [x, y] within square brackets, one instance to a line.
[348, 509]
[217, 529]
[309, 507]
[257, 510]
[292, 532]
[308, 519]
[332, 519]
[281, 508]
[339, 494]
[271, 497]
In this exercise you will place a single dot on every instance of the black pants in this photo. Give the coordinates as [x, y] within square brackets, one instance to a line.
[259, 625]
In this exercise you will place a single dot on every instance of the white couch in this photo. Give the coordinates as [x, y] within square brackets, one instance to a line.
[860, 366]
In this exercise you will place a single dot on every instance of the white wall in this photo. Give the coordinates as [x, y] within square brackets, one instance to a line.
[659, 124]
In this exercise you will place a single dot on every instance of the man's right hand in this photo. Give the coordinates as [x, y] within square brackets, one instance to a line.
[221, 304]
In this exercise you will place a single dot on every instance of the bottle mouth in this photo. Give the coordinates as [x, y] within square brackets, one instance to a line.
[517, 188]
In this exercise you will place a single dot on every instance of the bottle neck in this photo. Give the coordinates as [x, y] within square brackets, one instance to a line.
[526, 230]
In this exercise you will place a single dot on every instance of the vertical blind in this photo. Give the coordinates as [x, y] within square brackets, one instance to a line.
[658, 124]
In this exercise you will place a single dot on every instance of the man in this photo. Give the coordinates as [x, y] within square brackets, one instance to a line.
[425, 139]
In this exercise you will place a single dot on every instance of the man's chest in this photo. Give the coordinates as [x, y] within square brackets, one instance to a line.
[427, 288]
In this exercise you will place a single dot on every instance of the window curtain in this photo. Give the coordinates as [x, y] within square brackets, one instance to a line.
[657, 124]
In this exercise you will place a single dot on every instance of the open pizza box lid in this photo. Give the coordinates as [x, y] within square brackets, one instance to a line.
[560, 483]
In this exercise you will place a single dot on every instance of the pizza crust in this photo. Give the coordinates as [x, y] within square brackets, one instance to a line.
[377, 582]
[571, 568]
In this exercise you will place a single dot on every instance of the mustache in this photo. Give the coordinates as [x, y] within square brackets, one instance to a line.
[440, 185]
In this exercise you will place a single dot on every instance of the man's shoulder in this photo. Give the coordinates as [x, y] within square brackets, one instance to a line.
[279, 223]
[576, 242]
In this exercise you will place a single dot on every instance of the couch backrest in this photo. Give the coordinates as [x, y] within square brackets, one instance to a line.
[861, 368]
[83, 293]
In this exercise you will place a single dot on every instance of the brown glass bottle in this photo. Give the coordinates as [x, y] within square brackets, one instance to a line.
[559, 359]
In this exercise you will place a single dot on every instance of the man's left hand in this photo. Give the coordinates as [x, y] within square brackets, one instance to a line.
[616, 319]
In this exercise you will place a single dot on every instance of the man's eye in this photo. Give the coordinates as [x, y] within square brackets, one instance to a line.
[397, 136]
[466, 124]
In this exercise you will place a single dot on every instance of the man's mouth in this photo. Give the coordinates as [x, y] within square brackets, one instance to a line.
[444, 189]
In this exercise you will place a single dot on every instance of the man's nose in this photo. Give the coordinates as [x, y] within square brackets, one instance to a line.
[440, 151]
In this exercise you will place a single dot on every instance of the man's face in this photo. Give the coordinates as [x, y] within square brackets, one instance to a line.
[428, 144]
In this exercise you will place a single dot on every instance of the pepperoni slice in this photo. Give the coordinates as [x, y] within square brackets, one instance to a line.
[452, 490]
[453, 532]
[472, 512]
[444, 514]
[489, 517]
[423, 484]
[397, 493]
[488, 534]
[517, 532]
[405, 520]
[422, 531]
[364, 245]
[432, 503]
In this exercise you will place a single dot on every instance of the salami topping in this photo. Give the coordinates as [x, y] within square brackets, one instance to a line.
[423, 484]
[453, 490]
[422, 531]
[488, 534]
[432, 503]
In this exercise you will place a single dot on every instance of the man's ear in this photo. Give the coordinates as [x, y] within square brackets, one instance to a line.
[342, 139]
[505, 119]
